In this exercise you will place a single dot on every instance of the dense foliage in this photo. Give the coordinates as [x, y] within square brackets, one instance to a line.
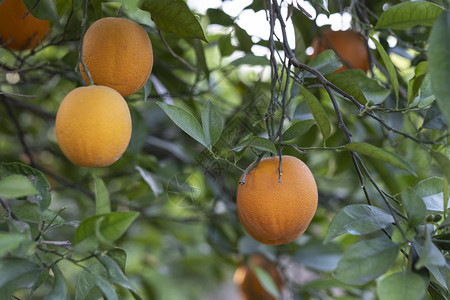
[161, 222]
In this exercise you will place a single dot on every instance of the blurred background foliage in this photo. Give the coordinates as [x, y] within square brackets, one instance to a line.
[187, 241]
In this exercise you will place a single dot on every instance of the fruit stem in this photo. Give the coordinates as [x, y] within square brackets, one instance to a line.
[249, 169]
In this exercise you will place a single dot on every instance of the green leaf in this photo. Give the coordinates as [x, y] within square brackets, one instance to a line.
[401, 286]
[443, 162]
[365, 261]
[225, 46]
[380, 154]
[414, 83]
[112, 227]
[152, 180]
[102, 202]
[439, 62]
[217, 16]
[212, 122]
[431, 190]
[45, 9]
[266, 281]
[414, 206]
[36, 177]
[86, 287]
[251, 59]
[116, 275]
[17, 273]
[298, 128]
[358, 219]
[408, 14]
[389, 67]
[174, 16]
[105, 286]
[59, 291]
[31, 213]
[186, 121]
[323, 4]
[325, 62]
[120, 257]
[257, 142]
[245, 41]
[10, 241]
[430, 255]
[16, 186]
[318, 257]
[147, 88]
[318, 113]
[349, 85]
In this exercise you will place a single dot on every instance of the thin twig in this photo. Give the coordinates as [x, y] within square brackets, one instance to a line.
[184, 62]
[8, 209]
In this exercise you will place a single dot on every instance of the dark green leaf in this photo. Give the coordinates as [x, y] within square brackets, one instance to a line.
[251, 59]
[186, 121]
[257, 142]
[174, 16]
[15, 186]
[389, 67]
[408, 14]
[431, 190]
[59, 291]
[325, 62]
[217, 16]
[266, 282]
[116, 274]
[443, 162]
[35, 176]
[366, 260]
[434, 119]
[347, 84]
[30, 212]
[139, 136]
[17, 273]
[245, 41]
[380, 154]
[414, 206]
[323, 4]
[212, 122]
[318, 257]
[414, 83]
[401, 286]
[102, 202]
[97, 4]
[225, 46]
[358, 219]
[147, 88]
[112, 227]
[430, 255]
[439, 62]
[298, 128]
[318, 113]
[45, 9]
[201, 63]
[10, 241]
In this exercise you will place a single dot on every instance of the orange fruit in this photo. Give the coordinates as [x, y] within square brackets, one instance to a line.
[118, 54]
[274, 212]
[93, 126]
[18, 32]
[248, 282]
[348, 45]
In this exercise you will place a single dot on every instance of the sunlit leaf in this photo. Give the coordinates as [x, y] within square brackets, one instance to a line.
[431, 190]
[408, 14]
[365, 261]
[152, 180]
[358, 219]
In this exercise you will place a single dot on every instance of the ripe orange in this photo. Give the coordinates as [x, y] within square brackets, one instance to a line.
[273, 212]
[118, 54]
[18, 32]
[93, 126]
[247, 280]
[348, 45]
